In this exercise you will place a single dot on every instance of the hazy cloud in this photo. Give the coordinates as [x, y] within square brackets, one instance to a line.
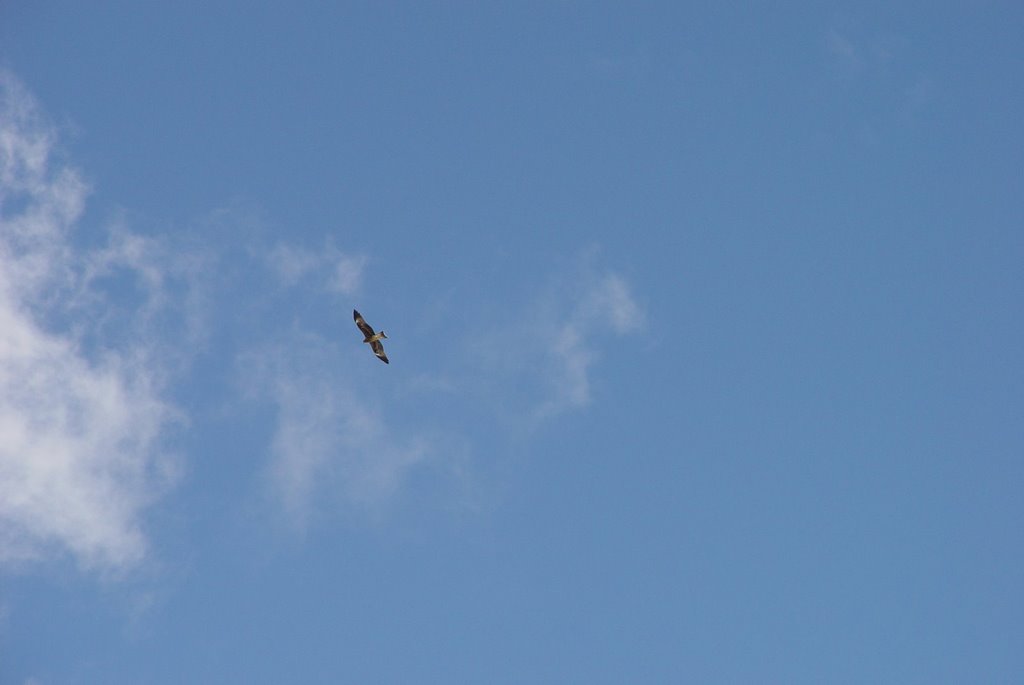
[601, 303]
[331, 442]
[333, 269]
[864, 51]
[80, 420]
[90, 338]
[546, 357]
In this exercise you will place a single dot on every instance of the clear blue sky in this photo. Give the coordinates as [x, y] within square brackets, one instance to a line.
[706, 330]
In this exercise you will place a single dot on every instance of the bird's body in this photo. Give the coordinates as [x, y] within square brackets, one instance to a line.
[371, 338]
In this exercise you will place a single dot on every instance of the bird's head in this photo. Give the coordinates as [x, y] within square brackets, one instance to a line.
[383, 334]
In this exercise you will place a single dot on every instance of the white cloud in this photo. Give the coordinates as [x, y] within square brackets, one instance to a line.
[331, 443]
[292, 263]
[83, 368]
[601, 303]
[77, 461]
[347, 274]
[335, 270]
[548, 354]
[80, 420]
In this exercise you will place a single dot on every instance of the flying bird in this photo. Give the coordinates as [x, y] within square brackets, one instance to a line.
[370, 337]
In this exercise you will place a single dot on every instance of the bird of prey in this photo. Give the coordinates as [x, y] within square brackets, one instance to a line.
[370, 337]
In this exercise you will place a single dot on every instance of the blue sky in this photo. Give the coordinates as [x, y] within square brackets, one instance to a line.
[705, 331]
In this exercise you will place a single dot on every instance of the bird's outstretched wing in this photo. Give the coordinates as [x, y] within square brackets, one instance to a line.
[378, 349]
[363, 326]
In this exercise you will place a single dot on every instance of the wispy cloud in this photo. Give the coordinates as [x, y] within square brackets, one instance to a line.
[603, 303]
[91, 339]
[80, 422]
[546, 357]
[329, 268]
[858, 50]
[887, 90]
[333, 445]
[331, 441]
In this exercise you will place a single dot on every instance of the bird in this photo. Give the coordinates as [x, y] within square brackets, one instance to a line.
[370, 337]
